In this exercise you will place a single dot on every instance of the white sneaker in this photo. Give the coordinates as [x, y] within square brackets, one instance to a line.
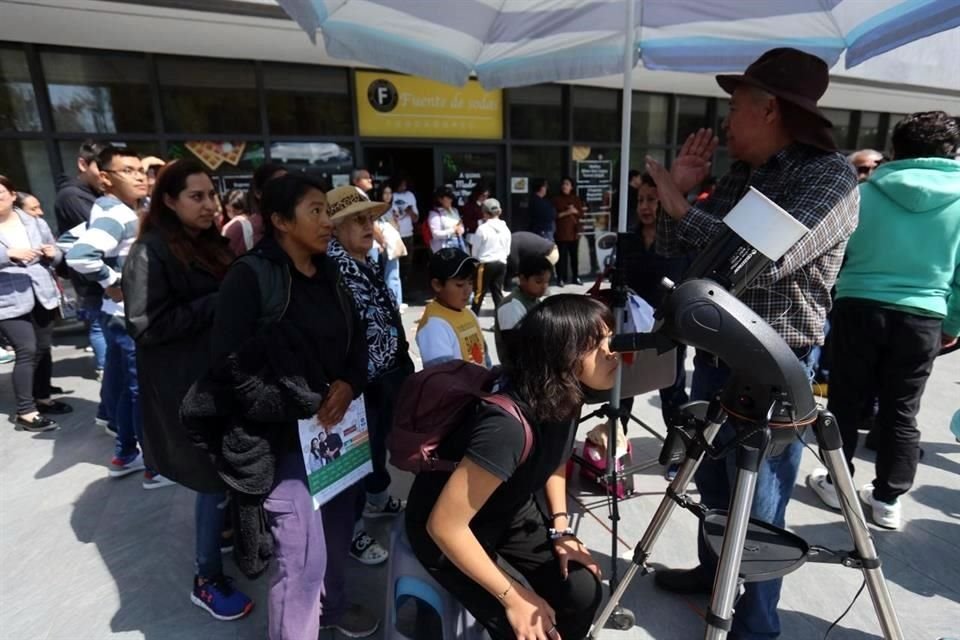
[884, 514]
[824, 489]
[403, 307]
[156, 481]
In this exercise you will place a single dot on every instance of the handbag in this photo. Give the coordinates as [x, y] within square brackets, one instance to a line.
[395, 247]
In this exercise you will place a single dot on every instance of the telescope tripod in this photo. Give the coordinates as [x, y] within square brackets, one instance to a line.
[751, 550]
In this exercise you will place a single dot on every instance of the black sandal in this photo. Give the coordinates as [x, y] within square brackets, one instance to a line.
[38, 424]
[55, 408]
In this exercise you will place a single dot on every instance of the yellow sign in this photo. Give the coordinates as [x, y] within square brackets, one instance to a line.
[397, 106]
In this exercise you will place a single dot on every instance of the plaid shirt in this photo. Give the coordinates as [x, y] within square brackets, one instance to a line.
[817, 188]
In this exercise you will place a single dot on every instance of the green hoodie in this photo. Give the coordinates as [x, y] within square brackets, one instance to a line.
[906, 249]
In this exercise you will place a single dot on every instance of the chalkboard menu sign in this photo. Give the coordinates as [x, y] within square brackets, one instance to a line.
[594, 181]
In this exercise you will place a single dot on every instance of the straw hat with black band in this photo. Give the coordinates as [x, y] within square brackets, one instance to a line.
[798, 80]
[348, 201]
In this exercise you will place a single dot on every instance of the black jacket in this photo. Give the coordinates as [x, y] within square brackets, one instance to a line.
[169, 308]
[268, 372]
[75, 198]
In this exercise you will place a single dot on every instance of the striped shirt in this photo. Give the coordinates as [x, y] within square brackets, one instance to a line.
[816, 187]
[99, 252]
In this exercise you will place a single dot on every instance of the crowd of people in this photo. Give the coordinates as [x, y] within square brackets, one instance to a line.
[285, 302]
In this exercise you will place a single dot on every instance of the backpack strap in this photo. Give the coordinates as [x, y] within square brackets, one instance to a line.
[508, 405]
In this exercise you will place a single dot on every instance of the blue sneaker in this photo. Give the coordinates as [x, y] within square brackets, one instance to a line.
[218, 598]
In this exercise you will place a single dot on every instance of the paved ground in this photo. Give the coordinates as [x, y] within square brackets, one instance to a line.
[85, 557]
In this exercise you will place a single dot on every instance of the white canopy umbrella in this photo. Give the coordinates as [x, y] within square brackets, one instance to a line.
[508, 43]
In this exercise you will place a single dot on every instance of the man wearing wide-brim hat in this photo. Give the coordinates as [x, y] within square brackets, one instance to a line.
[783, 146]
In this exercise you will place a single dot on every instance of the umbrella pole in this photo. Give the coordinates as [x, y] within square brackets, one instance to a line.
[621, 617]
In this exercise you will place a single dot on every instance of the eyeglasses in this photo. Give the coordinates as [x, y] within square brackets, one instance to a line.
[128, 172]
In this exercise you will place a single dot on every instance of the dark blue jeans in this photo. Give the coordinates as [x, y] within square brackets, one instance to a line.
[756, 611]
[209, 515]
[120, 391]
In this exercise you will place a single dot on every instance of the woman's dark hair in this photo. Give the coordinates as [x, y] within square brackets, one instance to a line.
[282, 195]
[551, 340]
[21, 197]
[537, 184]
[261, 176]
[7, 184]
[443, 192]
[208, 248]
[236, 198]
[647, 180]
[571, 181]
[378, 193]
[927, 134]
[478, 189]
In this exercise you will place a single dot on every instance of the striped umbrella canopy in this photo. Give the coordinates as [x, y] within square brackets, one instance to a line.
[522, 42]
[507, 43]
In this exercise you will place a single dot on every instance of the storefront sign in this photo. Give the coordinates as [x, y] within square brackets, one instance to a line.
[393, 105]
[464, 184]
[594, 181]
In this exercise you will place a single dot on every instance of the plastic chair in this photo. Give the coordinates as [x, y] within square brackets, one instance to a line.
[408, 579]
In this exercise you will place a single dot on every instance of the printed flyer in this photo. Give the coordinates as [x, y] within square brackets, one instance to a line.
[335, 457]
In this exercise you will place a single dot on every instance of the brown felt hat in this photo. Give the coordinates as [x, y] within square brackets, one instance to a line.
[798, 80]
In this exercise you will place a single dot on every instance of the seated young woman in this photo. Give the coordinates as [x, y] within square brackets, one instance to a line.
[460, 523]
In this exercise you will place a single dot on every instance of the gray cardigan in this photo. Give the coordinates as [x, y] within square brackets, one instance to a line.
[22, 284]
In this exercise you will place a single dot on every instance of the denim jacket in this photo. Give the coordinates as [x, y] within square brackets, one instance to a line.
[21, 284]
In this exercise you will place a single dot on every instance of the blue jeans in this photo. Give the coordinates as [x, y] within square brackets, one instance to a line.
[120, 391]
[756, 614]
[391, 274]
[209, 516]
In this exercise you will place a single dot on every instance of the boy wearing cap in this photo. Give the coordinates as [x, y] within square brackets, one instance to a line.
[448, 330]
[491, 246]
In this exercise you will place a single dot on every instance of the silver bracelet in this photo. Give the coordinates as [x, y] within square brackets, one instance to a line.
[556, 534]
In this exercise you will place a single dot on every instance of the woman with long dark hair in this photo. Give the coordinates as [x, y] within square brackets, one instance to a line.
[570, 210]
[170, 282]
[460, 523]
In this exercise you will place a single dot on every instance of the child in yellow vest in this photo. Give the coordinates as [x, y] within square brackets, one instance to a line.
[448, 329]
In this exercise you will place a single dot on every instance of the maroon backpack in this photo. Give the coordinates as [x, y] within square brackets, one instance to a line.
[435, 402]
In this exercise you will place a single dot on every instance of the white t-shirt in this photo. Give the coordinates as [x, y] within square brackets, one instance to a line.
[437, 342]
[491, 242]
[402, 200]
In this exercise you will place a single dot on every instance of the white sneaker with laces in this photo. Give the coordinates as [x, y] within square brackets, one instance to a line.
[818, 482]
[884, 514]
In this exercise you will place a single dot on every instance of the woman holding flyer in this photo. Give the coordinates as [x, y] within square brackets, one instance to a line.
[288, 287]
[389, 363]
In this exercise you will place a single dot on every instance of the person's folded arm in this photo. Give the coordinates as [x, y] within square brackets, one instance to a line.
[437, 229]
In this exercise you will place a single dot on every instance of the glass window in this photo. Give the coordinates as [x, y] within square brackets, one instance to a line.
[649, 119]
[98, 93]
[69, 149]
[841, 125]
[536, 112]
[894, 119]
[303, 100]
[723, 110]
[691, 115]
[527, 163]
[868, 136]
[18, 104]
[319, 159]
[26, 163]
[595, 114]
[234, 159]
[208, 96]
